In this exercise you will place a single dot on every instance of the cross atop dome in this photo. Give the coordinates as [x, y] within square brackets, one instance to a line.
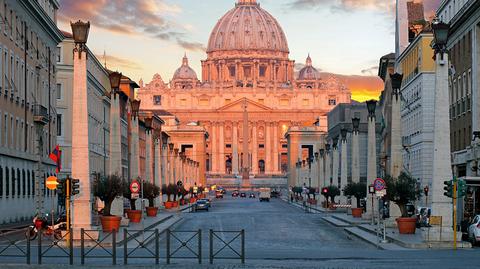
[247, 2]
[309, 60]
[185, 60]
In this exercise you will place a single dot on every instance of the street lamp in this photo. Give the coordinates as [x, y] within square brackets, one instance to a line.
[148, 123]
[327, 147]
[322, 152]
[440, 37]
[343, 132]
[115, 78]
[170, 146]
[316, 156]
[135, 107]
[355, 124]
[396, 80]
[371, 105]
[80, 32]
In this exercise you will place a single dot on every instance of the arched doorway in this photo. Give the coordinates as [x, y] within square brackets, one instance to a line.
[228, 165]
[261, 166]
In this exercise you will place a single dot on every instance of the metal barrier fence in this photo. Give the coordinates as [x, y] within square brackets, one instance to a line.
[136, 244]
[111, 253]
[13, 248]
[227, 244]
[185, 244]
[154, 235]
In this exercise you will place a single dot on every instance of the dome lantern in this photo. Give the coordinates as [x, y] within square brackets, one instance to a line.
[247, 2]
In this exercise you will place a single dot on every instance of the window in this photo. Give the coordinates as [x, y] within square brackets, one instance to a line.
[305, 102]
[59, 91]
[203, 102]
[332, 102]
[183, 102]
[59, 124]
[247, 71]
[227, 101]
[232, 71]
[261, 101]
[262, 71]
[228, 146]
[58, 54]
[284, 146]
[284, 102]
[157, 100]
[261, 146]
[7, 181]
[13, 182]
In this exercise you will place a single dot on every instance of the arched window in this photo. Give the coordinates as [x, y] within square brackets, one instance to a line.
[261, 166]
[24, 183]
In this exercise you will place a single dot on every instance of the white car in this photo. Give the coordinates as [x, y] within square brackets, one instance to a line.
[474, 230]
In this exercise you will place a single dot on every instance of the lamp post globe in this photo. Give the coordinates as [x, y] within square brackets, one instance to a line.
[80, 31]
[371, 105]
[355, 124]
[115, 78]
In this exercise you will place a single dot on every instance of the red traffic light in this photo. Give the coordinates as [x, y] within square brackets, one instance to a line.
[325, 190]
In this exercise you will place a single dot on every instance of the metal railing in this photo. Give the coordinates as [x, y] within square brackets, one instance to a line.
[227, 245]
[66, 250]
[98, 244]
[184, 244]
[12, 248]
[142, 244]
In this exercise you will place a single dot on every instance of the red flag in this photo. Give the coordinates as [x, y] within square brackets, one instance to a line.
[55, 156]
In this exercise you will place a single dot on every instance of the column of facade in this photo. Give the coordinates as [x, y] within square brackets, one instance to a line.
[176, 166]
[181, 169]
[396, 147]
[321, 169]
[254, 148]
[343, 166]
[148, 156]
[355, 162]
[268, 148]
[214, 147]
[275, 148]
[328, 166]
[82, 214]
[115, 157]
[371, 155]
[235, 148]
[164, 163]
[221, 145]
[335, 164]
[157, 178]
[135, 145]
[171, 164]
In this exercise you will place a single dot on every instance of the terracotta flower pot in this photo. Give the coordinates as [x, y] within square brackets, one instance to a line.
[406, 225]
[135, 216]
[357, 212]
[152, 211]
[175, 204]
[168, 205]
[110, 223]
[192, 200]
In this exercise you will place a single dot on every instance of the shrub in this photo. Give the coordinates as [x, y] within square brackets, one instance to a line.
[107, 189]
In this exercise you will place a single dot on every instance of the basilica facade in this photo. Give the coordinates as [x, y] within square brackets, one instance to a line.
[247, 74]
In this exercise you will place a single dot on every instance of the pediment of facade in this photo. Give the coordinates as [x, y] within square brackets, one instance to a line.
[237, 106]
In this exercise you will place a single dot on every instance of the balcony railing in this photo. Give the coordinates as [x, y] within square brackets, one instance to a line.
[40, 114]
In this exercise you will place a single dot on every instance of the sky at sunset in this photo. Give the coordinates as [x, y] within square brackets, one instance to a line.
[144, 37]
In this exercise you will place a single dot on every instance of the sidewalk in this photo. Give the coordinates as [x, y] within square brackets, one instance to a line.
[314, 208]
[364, 230]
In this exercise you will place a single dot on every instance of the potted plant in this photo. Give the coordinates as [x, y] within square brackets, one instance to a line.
[107, 189]
[133, 214]
[201, 189]
[151, 191]
[167, 191]
[359, 191]
[333, 191]
[311, 191]
[192, 195]
[401, 191]
[174, 190]
[182, 192]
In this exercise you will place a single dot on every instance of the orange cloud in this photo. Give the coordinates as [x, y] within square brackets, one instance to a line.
[363, 87]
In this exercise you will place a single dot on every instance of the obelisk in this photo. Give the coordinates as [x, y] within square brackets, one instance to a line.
[245, 166]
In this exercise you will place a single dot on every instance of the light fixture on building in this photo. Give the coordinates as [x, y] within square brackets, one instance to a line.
[371, 105]
[115, 78]
[316, 156]
[327, 147]
[170, 146]
[476, 134]
[440, 37]
[148, 122]
[343, 132]
[322, 152]
[396, 83]
[135, 104]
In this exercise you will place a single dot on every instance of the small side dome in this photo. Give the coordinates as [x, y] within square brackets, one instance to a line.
[308, 72]
[185, 71]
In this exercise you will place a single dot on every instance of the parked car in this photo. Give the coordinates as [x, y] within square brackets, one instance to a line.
[201, 205]
[218, 194]
[252, 195]
[265, 194]
[235, 193]
[207, 200]
[474, 230]
[275, 194]
[243, 195]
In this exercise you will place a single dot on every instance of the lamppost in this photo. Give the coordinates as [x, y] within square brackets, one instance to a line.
[441, 205]
[371, 148]
[135, 147]
[115, 125]
[396, 131]
[321, 169]
[355, 156]
[343, 162]
[328, 166]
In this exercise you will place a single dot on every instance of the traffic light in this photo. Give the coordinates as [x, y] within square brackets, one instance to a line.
[461, 188]
[448, 188]
[61, 187]
[74, 186]
[325, 191]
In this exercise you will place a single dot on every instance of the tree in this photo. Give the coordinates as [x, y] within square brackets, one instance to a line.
[333, 191]
[107, 189]
[150, 191]
[402, 190]
[357, 190]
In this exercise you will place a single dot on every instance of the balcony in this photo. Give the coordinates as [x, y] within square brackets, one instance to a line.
[40, 114]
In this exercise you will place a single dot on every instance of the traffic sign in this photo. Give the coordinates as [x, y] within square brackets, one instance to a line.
[51, 183]
[135, 186]
[135, 196]
[379, 184]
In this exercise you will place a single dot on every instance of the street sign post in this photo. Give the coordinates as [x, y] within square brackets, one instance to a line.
[51, 183]
[135, 187]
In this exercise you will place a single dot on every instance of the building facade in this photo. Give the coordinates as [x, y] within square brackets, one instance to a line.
[417, 110]
[247, 71]
[28, 38]
[463, 43]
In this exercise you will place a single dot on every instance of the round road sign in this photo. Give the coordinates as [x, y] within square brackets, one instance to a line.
[379, 184]
[51, 183]
[135, 186]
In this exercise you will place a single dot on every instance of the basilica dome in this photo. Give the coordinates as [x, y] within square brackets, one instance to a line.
[247, 27]
[185, 71]
[308, 72]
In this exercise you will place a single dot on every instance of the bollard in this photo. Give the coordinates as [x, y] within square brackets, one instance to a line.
[28, 248]
[211, 246]
[39, 246]
[70, 244]
[168, 246]
[82, 246]
[114, 247]
[125, 250]
[200, 246]
[243, 246]
[157, 247]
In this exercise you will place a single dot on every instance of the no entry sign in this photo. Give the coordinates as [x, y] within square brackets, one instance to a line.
[135, 186]
[51, 183]
[379, 184]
